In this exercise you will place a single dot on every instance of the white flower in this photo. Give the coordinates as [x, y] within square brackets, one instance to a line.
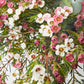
[37, 71]
[23, 45]
[31, 6]
[6, 22]
[68, 44]
[39, 18]
[50, 21]
[13, 74]
[18, 11]
[17, 56]
[45, 30]
[16, 17]
[11, 20]
[5, 49]
[32, 56]
[60, 50]
[9, 55]
[10, 11]
[41, 3]
[18, 29]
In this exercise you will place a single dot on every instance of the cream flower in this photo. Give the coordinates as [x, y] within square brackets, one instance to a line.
[45, 30]
[37, 71]
[60, 50]
[41, 3]
[68, 44]
[39, 18]
[50, 21]
[10, 11]
[32, 56]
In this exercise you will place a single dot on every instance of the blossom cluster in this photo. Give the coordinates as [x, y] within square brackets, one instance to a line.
[35, 46]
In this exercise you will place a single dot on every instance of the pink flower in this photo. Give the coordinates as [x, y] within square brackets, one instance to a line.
[82, 10]
[70, 57]
[27, 0]
[82, 34]
[58, 19]
[31, 29]
[10, 4]
[4, 17]
[78, 24]
[81, 39]
[68, 9]
[43, 46]
[37, 42]
[63, 36]
[25, 25]
[1, 24]
[74, 65]
[51, 67]
[53, 47]
[46, 16]
[80, 17]
[59, 79]
[0, 78]
[2, 3]
[55, 28]
[81, 58]
[10, 46]
[18, 64]
[54, 39]
[56, 73]
[58, 9]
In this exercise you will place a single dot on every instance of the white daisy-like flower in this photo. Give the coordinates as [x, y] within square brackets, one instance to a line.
[37, 71]
[17, 11]
[10, 11]
[23, 45]
[60, 50]
[39, 18]
[13, 74]
[16, 17]
[50, 21]
[68, 44]
[31, 6]
[17, 56]
[11, 20]
[32, 56]
[45, 30]
[18, 29]
[6, 22]
[41, 3]
[9, 55]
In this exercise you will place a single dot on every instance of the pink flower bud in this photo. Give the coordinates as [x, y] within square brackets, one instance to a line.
[25, 25]
[74, 65]
[54, 39]
[78, 24]
[63, 36]
[37, 42]
[4, 17]
[43, 46]
[59, 79]
[1, 24]
[56, 73]
[81, 58]
[18, 64]
[10, 5]
[70, 57]
[81, 39]
[2, 3]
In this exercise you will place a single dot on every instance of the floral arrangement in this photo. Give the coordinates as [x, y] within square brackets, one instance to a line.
[41, 41]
